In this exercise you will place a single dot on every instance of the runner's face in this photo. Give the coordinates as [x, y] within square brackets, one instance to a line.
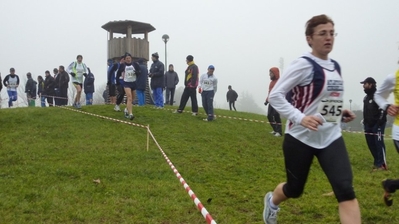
[367, 85]
[80, 59]
[322, 40]
[128, 59]
[271, 74]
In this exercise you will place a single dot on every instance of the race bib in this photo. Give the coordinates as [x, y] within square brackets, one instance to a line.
[331, 109]
[130, 75]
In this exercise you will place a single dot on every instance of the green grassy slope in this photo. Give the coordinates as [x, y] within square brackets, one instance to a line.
[49, 158]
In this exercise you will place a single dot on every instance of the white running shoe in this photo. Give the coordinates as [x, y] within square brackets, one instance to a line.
[277, 134]
[272, 132]
[117, 108]
[269, 214]
[194, 114]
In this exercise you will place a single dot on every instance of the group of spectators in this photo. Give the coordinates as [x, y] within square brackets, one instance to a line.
[53, 88]
[130, 77]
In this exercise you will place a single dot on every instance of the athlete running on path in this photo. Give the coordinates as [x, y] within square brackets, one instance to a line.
[129, 72]
[389, 85]
[77, 70]
[314, 86]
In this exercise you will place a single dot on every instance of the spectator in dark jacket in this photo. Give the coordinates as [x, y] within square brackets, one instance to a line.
[40, 91]
[1, 84]
[157, 80]
[231, 96]
[49, 91]
[190, 83]
[374, 120]
[171, 80]
[111, 80]
[63, 85]
[57, 97]
[88, 87]
[141, 82]
[30, 90]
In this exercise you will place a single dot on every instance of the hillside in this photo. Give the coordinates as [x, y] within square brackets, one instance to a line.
[62, 166]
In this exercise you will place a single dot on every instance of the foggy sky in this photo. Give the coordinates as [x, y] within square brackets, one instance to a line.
[242, 39]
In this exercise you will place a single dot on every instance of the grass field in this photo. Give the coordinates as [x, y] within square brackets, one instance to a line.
[51, 160]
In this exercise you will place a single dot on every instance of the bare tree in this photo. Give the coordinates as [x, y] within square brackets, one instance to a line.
[247, 104]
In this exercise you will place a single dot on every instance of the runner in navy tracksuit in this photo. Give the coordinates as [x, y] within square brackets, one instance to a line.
[119, 83]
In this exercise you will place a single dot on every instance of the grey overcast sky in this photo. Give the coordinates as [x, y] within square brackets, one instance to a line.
[242, 39]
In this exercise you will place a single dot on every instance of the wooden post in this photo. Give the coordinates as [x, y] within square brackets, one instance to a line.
[111, 34]
[129, 39]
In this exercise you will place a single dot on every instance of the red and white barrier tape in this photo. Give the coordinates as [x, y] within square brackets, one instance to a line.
[267, 122]
[197, 202]
[104, 117]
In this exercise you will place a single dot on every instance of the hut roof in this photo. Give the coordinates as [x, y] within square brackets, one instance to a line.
[121, 27]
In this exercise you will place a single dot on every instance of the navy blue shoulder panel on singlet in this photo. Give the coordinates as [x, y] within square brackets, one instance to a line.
[318, 79]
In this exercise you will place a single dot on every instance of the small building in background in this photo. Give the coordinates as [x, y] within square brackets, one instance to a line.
[129, 40]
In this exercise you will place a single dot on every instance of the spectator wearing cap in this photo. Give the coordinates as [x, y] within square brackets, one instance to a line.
[374, 120]
[142, 82]
[11, 81]
[30, 90]
[171, 80]
[157, 80]
[207, 88]
[190, 83]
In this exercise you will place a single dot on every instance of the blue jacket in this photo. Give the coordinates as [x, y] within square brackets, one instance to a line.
[157, 75]
[111, 73]
[142, 79]
[88, 84]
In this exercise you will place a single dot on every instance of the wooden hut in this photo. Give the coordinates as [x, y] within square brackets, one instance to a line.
[130, 41]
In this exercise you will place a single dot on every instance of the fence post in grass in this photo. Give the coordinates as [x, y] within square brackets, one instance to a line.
[148, 137]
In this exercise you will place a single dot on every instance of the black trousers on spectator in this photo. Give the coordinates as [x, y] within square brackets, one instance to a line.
[63, 94]
[121, 94]
[189, 93]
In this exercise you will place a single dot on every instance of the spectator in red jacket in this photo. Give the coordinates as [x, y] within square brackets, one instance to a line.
[272, 115]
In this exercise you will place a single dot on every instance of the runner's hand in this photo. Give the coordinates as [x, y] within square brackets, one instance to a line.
[311, 122]
[393, 110]
[348, 116]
